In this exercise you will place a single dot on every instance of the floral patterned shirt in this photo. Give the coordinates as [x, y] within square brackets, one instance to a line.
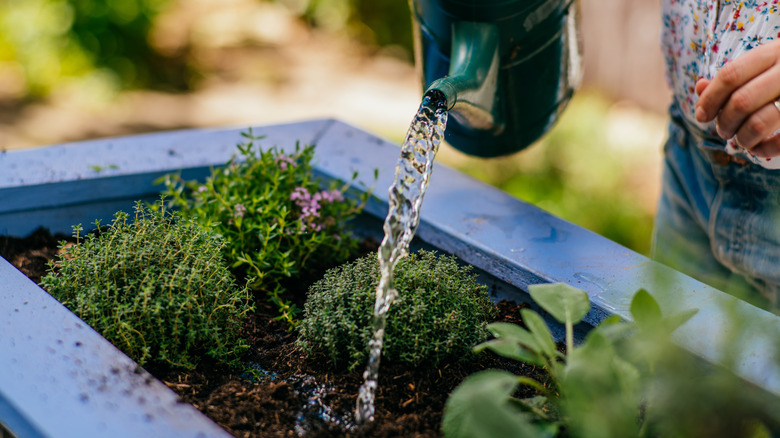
[700, 36]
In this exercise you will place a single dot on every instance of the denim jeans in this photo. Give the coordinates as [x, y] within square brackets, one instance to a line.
[718, 217]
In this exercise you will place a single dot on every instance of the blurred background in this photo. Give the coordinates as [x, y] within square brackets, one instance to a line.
[80, 69]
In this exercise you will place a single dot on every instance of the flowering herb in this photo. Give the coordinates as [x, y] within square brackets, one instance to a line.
[278, 220]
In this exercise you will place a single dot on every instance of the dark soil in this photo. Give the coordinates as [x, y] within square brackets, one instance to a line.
[31, 254]
[288, 394]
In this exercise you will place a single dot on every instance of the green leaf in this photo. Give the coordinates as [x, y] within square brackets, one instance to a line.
[645, 310]
[674, 322]
[480, 408]
[511, 350]
[535, 403]
[600, 391]
[540, 332]
[596, 364]
[614, 328]
[565, 303]
[541, 407]
[527, 381]
[589, 363]
[514, 332]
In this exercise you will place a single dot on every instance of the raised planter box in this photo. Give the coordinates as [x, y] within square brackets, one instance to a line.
[60, 378]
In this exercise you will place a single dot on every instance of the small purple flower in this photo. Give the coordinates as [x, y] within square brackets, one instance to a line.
[331, 196]
[285, 161]
[300, 194]
[310, 209]
[310, 205]
[239, 210]
[200, 191]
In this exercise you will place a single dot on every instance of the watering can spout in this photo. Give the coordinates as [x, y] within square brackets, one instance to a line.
[471, 85]
[507, 68]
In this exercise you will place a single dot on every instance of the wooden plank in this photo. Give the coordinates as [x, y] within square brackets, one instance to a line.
[65, 380]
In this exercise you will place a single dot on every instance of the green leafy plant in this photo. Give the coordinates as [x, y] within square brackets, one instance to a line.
[596, 388]
[276, 217]
[156, 287]
[439, 314]
[626, 379]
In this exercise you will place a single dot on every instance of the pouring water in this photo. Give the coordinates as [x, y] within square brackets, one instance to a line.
[412, 175]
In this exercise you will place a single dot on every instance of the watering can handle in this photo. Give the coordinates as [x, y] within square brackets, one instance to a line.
[472, 83]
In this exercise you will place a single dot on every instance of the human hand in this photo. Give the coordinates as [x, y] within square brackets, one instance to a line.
[742, 98]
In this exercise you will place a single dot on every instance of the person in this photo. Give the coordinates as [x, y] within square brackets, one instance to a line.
[718, 217]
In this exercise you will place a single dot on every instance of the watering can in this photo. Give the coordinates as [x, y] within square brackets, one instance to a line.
[507, 68]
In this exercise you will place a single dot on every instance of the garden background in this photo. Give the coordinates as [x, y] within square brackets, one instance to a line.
[80, 69]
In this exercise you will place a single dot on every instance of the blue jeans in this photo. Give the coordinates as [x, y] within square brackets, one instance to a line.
[718, 218]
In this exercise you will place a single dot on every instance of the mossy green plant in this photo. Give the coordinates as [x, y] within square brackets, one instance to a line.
[441, 312]
[156, 287]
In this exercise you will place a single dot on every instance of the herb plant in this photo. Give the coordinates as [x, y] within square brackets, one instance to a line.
[440, 313]
[275, 215]
[156, 287]
[625, 380]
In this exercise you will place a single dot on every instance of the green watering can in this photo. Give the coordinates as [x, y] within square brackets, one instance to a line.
[507, 68]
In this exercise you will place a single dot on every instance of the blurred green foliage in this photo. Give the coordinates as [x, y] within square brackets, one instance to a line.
[115, 33]
[389, 21]
[46, 44]
[59, 42]
[380, 22]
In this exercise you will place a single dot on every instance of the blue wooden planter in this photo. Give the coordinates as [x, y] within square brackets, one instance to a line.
[59, 378]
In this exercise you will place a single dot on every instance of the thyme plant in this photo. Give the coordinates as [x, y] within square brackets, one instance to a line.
[277, 217]
[155, 286]
[441, 312]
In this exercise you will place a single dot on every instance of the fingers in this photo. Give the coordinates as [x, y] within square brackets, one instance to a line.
[758, 133]
[701, 84]
[758, 128]
[746, 101]
[740, 88]
[768, 148]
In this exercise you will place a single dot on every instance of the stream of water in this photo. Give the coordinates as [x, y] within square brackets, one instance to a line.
[405, 198]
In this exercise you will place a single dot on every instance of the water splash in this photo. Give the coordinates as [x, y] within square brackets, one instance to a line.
[405, 198]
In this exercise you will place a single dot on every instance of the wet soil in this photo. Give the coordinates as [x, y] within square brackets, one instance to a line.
[283, 393]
